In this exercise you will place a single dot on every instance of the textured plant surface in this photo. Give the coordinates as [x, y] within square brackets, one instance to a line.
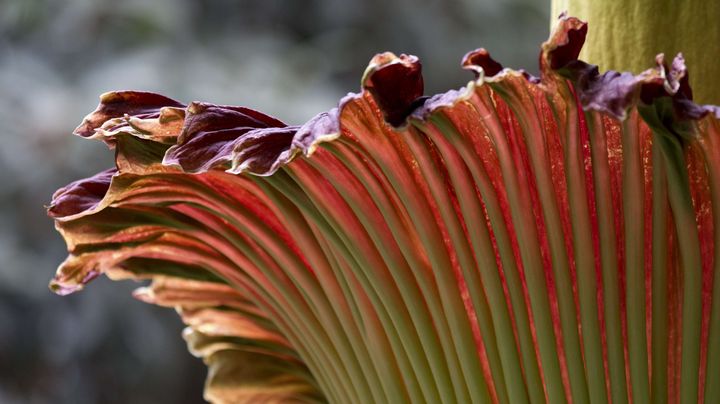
[519, 240]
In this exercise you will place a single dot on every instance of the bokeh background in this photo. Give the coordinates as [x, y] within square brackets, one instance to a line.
[291, 59]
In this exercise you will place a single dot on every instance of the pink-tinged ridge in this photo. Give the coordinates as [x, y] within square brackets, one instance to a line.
[521, 239]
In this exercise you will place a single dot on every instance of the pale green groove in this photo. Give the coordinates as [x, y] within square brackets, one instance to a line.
[382, 193]
[584, 254]
[313, 358]
[398, 350]
[712, 375]
[608, 258]
[388, 206]
[377, 354]
[626, 35]
[691, 268]
[277, 296]
[333, 282]
[415, 300]
[535, 135]
[226, 267]
[462, 338]
[533, 380]
[342, 386]
[384, 357]
[307, 289]
[633, 187]
[311, 292]
[308, 349]
[526, 233]
[438, 189]
[390, 378]
[394, 319]
[485, 271]
[660, 310]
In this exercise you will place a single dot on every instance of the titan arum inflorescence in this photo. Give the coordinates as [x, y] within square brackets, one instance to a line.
[520, 240]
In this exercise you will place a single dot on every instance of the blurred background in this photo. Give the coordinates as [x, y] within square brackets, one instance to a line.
[290, 59]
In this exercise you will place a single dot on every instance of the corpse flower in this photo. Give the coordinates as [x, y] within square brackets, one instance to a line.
[519, 240]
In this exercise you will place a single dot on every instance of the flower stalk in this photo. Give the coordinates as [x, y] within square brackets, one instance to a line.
[626, 34]
[519, 240]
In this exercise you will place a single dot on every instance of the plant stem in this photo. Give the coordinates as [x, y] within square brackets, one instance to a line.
[626, 35]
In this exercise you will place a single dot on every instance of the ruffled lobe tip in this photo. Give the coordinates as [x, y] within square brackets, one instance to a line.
[210, 134]
[118, 104]
[81, 195]
[480, 63]
[565, 43]
[396, 84]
